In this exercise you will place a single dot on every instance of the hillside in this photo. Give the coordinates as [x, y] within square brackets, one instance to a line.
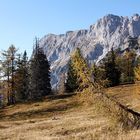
[64, 117]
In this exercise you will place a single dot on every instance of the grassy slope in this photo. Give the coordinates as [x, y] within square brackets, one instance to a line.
[128, 95]
[65, 118]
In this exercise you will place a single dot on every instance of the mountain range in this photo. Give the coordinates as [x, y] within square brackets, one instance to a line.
[95, 42]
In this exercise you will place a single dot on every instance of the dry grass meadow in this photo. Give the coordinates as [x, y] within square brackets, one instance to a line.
[64, 117]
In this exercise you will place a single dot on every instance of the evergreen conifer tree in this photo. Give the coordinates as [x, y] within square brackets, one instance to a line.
[98, 74]
[127, 65]
[72, 80]
[40, 74]
[112, 71]
[22, 78]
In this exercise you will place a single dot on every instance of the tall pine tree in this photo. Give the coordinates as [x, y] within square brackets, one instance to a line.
[127, 64]
[22, 78]
[72, 80]
[112, 71]
[40, 74]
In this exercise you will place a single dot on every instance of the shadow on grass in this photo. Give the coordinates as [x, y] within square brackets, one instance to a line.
[51, 110]
[40, 113]
[63, 96]
[49, 98]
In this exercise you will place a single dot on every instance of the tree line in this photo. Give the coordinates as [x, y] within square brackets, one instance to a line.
[24, 79]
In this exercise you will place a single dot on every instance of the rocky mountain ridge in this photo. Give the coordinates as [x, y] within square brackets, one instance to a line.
[95, 42]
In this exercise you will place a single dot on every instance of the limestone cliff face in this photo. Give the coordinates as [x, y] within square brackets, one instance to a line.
[95, 42]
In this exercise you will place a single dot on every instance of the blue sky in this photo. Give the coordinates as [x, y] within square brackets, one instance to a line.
[22, 20]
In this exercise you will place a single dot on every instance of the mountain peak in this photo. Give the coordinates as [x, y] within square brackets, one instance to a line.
[111, 16]
[136, 17]
[109, 31]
